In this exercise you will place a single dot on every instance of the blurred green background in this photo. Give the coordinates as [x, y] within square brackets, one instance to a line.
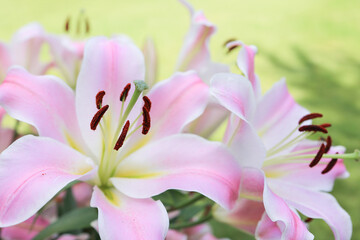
[314, 44]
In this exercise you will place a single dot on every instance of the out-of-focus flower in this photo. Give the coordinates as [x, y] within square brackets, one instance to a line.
[95, 136]
[199, 232]
[24, 50]
[282, 171]
[67, 55]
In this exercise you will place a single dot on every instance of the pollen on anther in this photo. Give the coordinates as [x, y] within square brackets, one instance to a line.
[97, 117]
[312, 128]
[310, 116]
[330, 165]
[328, 144]
[98, 99]
[147, 103]
[122, 136]
[146, 121]
[125, 92]
[318, 156]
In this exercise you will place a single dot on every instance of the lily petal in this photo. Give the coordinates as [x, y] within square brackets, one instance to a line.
[108, 65]
[176, 102]
[195, 52]
[316, 205]
[287, 220]
[277, 114]
[244, 143]
[67, 55]
[151, 59]
[267, 229]
[213, 116]
[32, 171]
[246, 63]
[186, 162]
[45, 102]
[26, 45]
[235, 93]
[5, 60]
[137, 219]
[245, 215]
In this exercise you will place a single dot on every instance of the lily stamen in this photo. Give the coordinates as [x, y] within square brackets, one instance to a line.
[146, 121]
[328, 144]
[309, 117]
[147, 103]
[318, 156]
[122, 136]
[312, 128]
[330, 166]
[98, 99]
[98, 116]
[125, 92]
[325, 125]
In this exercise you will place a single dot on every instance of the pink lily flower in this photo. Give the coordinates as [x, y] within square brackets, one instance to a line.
[24, 50]
[282, 171]
[101, 142]
[195, 55]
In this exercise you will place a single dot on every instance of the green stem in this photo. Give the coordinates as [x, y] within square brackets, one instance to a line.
[191, 224]
[186, 203]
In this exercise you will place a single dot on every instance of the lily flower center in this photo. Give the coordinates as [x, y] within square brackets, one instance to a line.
[113, 141]
[282, 152]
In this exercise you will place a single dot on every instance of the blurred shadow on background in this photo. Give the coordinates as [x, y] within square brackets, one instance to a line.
[325, 90]
[335, 92]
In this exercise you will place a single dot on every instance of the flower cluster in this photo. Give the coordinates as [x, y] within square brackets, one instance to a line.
[115, 154]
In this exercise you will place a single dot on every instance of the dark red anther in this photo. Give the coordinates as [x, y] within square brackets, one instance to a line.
[125, 92]
[318, 156]
[310, 116]
[330, 165]
[229, 41]
[146, 121]
[325, 125]
[328, 144]
[312, 128]
[147, 103]
[232, 48]
[308, 220]
[122, 136]
[99, 98]
[67, 24]
[97, 117]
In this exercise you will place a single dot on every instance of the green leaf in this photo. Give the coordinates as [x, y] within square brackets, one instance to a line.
[171, 197]
[74, 220]
[223, 230]
[68, 204]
